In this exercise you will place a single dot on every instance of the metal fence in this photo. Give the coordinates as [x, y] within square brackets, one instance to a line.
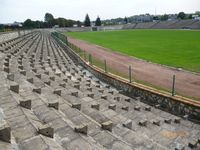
[128, 74]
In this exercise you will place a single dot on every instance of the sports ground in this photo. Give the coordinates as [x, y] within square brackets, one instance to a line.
[173, 48]
[176, 48]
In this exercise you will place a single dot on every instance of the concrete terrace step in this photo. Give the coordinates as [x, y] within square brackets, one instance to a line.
[50, 102]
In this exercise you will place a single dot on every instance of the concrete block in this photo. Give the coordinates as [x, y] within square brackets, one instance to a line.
[5, 133]
[138, 98]
[73, 73]
[33, 55]
[37, 90]
[126, 108]
[88, 80]
[127, 100]
[21, 67]
[111, 92]
[26, 104]
[65, 80]
[34, 70]
[52, 78]
[101, 90]
[88, 84]
[98, 86]
[77, 86]
[23, 72]
[192, 144]
[62, 85]
[107, 125]
[89, 89]
[32, 65]
[58, 74]
[30, 80]
[48, 82]
[76, 82]
[8, 56]
[11, 77]
[112, 106]
[117, 98]
[54, 105]
[95, 106]
[75, 93]
[104, 97]
[76, 105]
[157, 106]
[81, 129]
[38, 76]
[177, 120]
[63, 71]
[14, 88]
[143, 123]
[180, 148]
[57, 91]
[7, 59]
[19, 62]
[185, 117]
[70, 77]
[107, 86]
[156, 122]
[43, 68]
[6, 64]
[79, 79]
[46, 130]
[128, 124]
[137, 108]
[6, 69]
[91, 95]
[168, 121]
[46, 72]
[147, 108]
[97, 81]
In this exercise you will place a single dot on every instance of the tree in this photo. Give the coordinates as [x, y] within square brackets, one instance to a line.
[98, 21]
[155, 18]
[190, 16]
[125, 20]
[87, 22]
[28, 23]
[181, 15]
[49, 19]
[164, 17]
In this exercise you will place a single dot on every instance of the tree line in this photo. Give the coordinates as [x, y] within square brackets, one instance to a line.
[50, 21]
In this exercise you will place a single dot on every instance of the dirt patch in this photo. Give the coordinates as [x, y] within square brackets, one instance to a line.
[174, 135]
[158, 75]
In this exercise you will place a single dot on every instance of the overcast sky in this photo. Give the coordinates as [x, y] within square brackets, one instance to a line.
[20, 10]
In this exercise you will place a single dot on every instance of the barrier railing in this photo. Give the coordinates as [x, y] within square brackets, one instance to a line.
[128, 72]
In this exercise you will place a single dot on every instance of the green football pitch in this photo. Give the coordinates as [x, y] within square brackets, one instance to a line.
[177, 48]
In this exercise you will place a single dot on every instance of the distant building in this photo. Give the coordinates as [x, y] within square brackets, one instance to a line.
[15, 24]
[75, 25]
[56, 26]
[196, 17]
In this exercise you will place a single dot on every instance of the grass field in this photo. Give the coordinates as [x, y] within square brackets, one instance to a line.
[177, 48]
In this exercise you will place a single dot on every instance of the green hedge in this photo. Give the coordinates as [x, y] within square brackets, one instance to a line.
[60, 36]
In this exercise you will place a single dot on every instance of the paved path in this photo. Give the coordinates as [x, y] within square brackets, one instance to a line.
[186, 84]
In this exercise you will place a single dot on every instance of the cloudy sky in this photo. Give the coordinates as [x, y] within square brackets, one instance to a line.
[20, 10]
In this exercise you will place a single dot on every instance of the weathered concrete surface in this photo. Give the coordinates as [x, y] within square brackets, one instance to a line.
[78, 118]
